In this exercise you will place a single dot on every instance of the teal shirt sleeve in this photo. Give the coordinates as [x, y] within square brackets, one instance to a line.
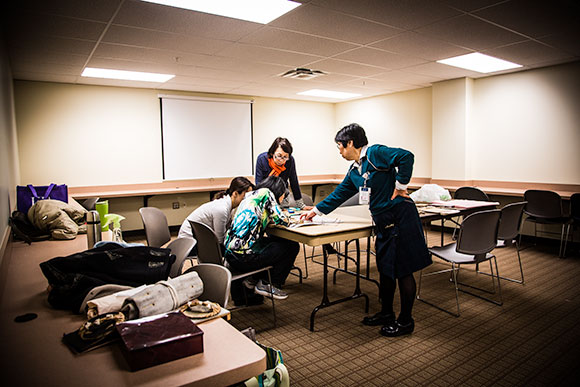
[400, 158]
[344, 191]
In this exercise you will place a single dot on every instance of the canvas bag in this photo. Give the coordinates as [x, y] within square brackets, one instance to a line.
[27, 195]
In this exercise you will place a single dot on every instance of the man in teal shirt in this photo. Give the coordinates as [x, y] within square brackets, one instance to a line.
[380, 174]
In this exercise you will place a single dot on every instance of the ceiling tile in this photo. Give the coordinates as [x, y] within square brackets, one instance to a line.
[162, 40]
[529, 53]
[266, 55]
[420, 46]
[46, 56]
[335, 25]
[566, 42]
[442, 71]
[50, 68]
[406, 14]
[151, 55]
[408, 77]
[470, 5]
[43, 77]
[346, 68]
[42, 43]
[539, 18]
[101, 10]
[33, 23]
[176, 20]
[375, 57]
[293, 41]
[470, 32]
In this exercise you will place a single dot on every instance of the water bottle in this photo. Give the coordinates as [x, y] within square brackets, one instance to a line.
[93, 228]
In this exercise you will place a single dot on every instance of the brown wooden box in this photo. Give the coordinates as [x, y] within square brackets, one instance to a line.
[159, 339]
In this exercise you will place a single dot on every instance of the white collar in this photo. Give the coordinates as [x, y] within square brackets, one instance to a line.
[363, 153]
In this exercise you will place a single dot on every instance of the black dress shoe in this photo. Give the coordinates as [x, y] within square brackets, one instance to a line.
[396, 329]
[379, 319]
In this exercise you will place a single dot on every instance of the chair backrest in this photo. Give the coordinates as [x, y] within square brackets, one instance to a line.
[156, 227]
[510, 220]
[478, 233]
[89, 204]
[543, 204]
[575, 206]
[216, 282]
[307, 199]
[470, 193]
[353, 201]
[208, 247]
[179, 247]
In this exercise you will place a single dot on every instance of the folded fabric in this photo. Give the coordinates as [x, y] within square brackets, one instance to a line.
[101, 291]
[110, 303]
[164, 296]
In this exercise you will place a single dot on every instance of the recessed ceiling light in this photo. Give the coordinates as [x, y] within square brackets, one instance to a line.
[328, 94]
[127, 75]
[257, 11]
[479, 62]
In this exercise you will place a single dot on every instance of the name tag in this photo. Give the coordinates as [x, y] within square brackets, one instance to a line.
[364, 195]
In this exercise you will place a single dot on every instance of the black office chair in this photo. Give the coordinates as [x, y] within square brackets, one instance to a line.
[470, 193]
[507, 234]
[545, 207]
[209, 250]
[467, 193]
[574, 217]
[477, 238]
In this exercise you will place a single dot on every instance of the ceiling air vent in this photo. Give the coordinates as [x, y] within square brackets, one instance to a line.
[301, 73]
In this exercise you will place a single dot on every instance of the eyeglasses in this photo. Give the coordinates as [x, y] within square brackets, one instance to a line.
[279, 156]
[339, 145]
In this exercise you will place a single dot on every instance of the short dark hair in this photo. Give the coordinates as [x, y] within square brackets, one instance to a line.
[352, 132]
[239, 184]
[281, 142]
[275, 184]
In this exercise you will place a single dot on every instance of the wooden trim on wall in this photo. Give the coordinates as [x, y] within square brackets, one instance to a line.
[507, 188]
[214, 184]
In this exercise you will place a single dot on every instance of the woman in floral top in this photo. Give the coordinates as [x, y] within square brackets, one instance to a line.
[247, 248]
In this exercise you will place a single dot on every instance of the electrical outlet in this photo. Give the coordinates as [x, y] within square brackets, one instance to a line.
[175, 205]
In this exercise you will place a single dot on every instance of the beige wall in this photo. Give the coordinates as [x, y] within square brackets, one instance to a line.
[450, 118]
[9, 169]
[308, 125]
[527, 126]
[401, 120]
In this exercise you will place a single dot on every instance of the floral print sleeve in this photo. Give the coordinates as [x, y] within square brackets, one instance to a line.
[276, 215]
[252, 217]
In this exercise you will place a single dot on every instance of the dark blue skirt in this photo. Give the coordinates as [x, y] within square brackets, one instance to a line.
[400, 244]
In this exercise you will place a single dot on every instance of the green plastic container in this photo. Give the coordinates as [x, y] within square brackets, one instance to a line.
[102, 208]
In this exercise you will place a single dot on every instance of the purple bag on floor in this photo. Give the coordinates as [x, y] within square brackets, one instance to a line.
[27, 195]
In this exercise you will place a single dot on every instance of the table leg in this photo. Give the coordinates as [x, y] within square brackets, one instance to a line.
[325, 303]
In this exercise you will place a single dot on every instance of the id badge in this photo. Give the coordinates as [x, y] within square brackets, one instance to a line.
[364, 195]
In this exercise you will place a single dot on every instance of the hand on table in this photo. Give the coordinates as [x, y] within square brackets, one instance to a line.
[308, 216]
